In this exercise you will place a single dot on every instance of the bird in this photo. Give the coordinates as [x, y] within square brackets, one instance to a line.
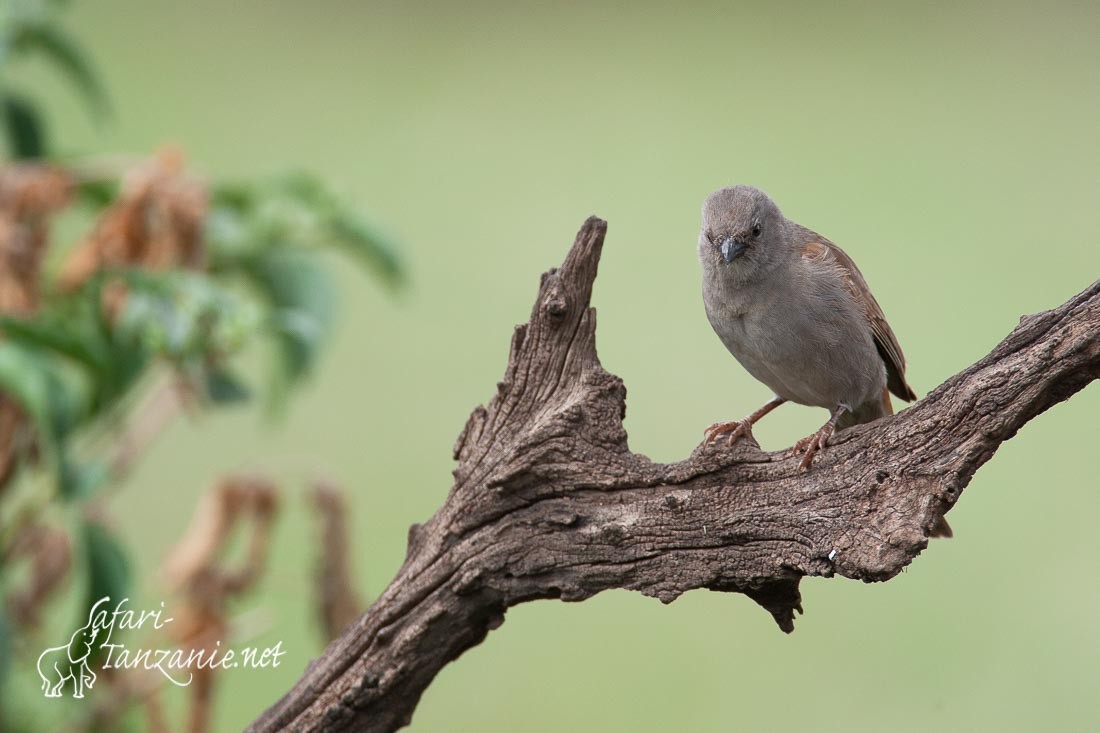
[796, 312]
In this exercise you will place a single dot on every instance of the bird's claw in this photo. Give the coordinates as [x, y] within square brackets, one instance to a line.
[736, 430]
[811, 444]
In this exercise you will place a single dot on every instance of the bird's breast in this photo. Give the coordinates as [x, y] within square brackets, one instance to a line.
[802, 354]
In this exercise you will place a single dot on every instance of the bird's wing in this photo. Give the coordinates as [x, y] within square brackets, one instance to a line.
[823, 251]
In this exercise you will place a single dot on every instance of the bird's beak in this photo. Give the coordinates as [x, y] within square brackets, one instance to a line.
[732, 249]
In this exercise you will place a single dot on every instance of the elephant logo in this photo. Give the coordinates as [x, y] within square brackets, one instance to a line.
[60, 664]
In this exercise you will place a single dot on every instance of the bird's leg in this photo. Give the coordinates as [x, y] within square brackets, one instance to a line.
[739, 429]
[811, 444]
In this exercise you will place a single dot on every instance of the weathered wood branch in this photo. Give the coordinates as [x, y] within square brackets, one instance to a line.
[549, 502]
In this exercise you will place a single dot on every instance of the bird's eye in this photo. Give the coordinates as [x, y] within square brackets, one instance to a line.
[756, 230]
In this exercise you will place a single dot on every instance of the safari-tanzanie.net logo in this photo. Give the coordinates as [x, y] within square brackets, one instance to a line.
[70, 668]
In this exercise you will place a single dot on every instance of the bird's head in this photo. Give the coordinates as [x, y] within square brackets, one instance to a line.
[743, 233]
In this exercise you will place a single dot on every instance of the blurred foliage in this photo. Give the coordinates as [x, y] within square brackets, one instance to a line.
[263, 236]
[178, 276]
[29, 29]
[73, 362]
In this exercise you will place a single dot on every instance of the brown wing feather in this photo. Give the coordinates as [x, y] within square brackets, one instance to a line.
[885, 340]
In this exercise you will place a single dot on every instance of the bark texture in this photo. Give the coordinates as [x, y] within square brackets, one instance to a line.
[549, 502]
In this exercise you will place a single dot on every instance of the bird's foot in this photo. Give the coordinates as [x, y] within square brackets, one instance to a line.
[736, 430]
[811, 444]
[739, 428]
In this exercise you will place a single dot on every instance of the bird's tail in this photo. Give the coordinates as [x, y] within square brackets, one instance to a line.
[942, 529]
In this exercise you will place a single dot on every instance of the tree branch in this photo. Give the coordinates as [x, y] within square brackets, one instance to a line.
[549, 502]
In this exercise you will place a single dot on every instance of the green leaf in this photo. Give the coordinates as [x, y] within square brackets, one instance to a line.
[109, 573]
[72, 339]
[236, 196]
[223, 387]
[70, 392]
[25, 130]
[23, 378]
[97, 194]
[80, 480]
[69, 58]
[184, 316]
[108, 563]
[127, 360]
[301, 296]
[54, 394]
[368, 246]
[229, 238]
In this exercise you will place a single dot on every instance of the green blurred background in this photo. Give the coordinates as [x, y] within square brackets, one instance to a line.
[951, 148]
